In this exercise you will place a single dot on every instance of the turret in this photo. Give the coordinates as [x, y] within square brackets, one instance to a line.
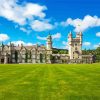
[81, 38]
[70, 37]
[49, 42]
[49, 49]
[78, 35]
[2, 45]
[70, 43]
[11, 48]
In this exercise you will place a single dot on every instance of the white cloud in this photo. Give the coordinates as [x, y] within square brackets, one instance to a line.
[98, 34]
[29, 44]
[86, 43]
[56, 36]
[25, 30]
[65, 45]
[82, 24]
[10, 10]
[16, 43]
[4, 37]
[41, 38]
[41, 25]
[96, 45]
[25, 14]
[34, 10]
[64, 42]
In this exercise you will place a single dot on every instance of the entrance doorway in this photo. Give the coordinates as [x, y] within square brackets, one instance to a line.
[41, 58]
[2, 61]
[8, 60]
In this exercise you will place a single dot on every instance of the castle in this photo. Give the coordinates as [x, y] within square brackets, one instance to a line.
[44, 54]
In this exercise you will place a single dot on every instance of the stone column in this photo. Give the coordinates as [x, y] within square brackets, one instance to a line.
[5, 58]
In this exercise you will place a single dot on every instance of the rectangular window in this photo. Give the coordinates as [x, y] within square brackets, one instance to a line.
[23, 56]
[13, 56]
[33, 56]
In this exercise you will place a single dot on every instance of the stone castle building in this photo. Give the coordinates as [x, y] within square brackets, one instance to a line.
[44, 54]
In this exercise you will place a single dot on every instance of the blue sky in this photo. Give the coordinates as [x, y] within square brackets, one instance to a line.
[30, 21]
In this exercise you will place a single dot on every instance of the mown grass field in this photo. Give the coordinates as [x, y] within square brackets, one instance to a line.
[50, 82]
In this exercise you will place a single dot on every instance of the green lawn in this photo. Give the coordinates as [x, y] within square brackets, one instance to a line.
[50, 82]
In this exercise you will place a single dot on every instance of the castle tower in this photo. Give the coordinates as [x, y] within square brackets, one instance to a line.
[49, 43]
[49, 49]
[70, 45]
[75, 46]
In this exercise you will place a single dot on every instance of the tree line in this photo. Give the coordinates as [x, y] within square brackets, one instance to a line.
[94, 52]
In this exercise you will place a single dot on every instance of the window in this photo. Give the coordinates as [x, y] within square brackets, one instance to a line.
[13, 60]
[23, 55]
[13, 55]
[75, 44]
[33, 52]
[33, 56]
